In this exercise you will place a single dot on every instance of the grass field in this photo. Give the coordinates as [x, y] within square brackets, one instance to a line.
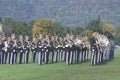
[59, 71]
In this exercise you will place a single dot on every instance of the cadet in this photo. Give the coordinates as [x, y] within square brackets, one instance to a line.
[5, 50]
[34, 49]
[72, 48]
[26, 49]
[46, 46]
[87, 46]
[1, 49]
[20, 49]
[39, 49]
[94, 51]
[67, 49]
[8, 50]
[85, 49]
[78, 54]
[56, 43]
[51, 50]
[12, 45]
[60, 47]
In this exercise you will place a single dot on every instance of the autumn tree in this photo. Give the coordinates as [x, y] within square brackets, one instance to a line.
[86, 33]
[107, 29]
[41, 25]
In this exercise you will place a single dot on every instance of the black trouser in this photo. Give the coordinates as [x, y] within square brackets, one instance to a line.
[67, 58]
[60, 54]
[20, 55]
[5, 56]
[8, 55]
[94, 54]
[77, 55]
[33, 56]
[71, 54]
[40, 56]
[55, 54]
[1, 57]
[51, 54]
[12, 57]
[26, 55]
[83, 54]
[46, 55]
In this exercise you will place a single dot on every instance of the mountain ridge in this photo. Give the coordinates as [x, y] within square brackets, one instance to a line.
[66, 12]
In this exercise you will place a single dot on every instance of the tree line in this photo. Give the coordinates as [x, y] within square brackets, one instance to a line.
[47, 26]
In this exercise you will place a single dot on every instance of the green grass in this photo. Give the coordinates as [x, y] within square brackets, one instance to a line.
[59, 71]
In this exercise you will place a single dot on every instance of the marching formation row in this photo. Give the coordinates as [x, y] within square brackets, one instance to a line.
[102, 48]
[51, 49]
[43, 49]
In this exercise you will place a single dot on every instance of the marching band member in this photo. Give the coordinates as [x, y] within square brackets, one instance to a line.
[12, 45]
[67, 49]
[60, 47]
[107, 48]
[55, 44]
[72, 48]
[5, 50]
[34, 49]
[1, 49]
[39, 49]
[46, 45]
[98, 48]
[26, 49]
[9, 49]
[78, 52]
[83, 49]
[51, 50]
[112, 43]
[93, 45]
[86, 48]
[20, 49]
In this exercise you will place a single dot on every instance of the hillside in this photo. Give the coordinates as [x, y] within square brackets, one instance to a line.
[67, 12]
